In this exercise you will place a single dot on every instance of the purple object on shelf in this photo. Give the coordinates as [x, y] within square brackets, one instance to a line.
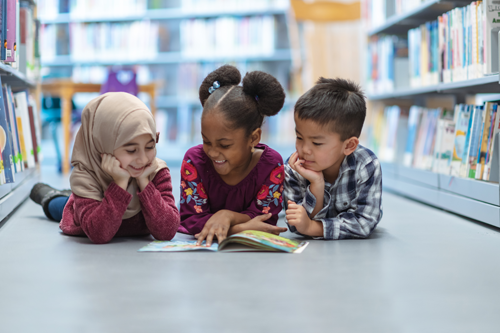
[121, 81]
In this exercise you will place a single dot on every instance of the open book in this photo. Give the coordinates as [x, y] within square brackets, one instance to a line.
[249, 240]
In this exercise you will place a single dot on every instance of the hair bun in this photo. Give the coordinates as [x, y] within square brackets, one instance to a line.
[226, 75]
[266, 90]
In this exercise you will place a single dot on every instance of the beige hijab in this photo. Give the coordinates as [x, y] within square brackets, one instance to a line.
[108, 122]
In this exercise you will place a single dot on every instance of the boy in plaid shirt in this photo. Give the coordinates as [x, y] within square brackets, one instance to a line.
[333, 185]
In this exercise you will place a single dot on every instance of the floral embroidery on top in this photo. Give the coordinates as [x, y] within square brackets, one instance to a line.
[190, 190]
[272, 193]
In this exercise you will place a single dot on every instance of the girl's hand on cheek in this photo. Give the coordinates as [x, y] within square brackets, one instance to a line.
[112, 166]
[143, 179]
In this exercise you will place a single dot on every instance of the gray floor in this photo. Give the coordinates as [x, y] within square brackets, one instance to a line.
[423, 270]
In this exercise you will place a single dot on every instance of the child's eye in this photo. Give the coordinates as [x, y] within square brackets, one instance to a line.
[225, 147]
[206, 143]
[131, 151]
[299, 138]
[317, 144]
[149, 148]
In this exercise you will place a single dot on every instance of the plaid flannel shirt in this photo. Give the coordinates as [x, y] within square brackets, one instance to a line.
[352, 206]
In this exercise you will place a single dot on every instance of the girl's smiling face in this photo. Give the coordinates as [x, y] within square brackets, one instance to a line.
[228, 148]
[136, 155]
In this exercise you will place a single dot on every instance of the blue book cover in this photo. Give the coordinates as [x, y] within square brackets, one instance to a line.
[3, 32]
[12, 124]
[465, 154]
[6, 141]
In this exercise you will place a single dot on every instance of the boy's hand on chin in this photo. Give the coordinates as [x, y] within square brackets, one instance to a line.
[315, 177]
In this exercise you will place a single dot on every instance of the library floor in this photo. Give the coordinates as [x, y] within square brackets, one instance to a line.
[422, 270]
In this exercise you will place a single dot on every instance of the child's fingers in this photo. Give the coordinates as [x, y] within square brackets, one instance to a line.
[210, 237]
[277, 230]
[220, 236]
[264, 217]
[201, 236]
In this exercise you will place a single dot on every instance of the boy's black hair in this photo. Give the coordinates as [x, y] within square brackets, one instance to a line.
[243, 106]
[337, 102]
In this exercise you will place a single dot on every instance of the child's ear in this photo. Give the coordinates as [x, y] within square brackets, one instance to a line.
[157, 136]
[350, 145]
[255, 137]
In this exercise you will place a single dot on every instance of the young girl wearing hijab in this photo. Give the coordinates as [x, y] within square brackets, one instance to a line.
[232, 182]
[118, 186]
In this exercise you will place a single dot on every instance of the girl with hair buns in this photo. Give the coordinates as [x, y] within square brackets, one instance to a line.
[232, 182]
[118, 186]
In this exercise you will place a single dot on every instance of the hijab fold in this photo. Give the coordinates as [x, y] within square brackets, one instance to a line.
[108, 122]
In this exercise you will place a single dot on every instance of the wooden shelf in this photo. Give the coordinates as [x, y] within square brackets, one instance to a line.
[428, 11]
[166, 14]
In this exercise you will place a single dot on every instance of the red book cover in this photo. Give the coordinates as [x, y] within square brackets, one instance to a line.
[33, 132]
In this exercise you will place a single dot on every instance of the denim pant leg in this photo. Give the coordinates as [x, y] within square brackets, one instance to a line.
[56, 207]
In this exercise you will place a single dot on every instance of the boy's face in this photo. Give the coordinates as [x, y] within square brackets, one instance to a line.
[321, 148]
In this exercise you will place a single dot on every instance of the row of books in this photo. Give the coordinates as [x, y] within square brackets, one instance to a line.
[104, 41]
[247, 36]
[91, 9]
[461, 142]
[18, 31]
[19, 133]
[459, 45]
[376, 12]
[243, 36]
[387, 66]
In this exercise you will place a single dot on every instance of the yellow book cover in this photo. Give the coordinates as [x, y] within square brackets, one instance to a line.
[21, 140]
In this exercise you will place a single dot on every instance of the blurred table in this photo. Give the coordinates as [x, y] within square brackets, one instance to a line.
[65, 89]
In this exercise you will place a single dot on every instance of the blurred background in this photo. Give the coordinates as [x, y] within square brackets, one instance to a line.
[163, 49]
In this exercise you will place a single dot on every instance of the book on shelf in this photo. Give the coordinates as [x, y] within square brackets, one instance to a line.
[11, 31]
[245, 241]
[22, 112]
[478, 167]
[6, 145]
[459, 142]
[469, 158]
[387, 64]
[492, 138]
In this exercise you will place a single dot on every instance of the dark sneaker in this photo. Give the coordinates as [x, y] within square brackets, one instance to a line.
[39, 191]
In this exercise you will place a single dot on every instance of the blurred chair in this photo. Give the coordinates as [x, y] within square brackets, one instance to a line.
[121, 80]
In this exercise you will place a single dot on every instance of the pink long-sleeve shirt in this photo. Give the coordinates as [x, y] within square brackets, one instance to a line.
[102, 220]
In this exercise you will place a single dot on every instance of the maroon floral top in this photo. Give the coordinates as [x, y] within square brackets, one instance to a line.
[203, 192]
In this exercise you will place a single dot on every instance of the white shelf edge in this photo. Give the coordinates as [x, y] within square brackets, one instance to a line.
[439, 88]
[18, 194]
[444, 199]
[170, 58]
[165, 14]
[396, 19]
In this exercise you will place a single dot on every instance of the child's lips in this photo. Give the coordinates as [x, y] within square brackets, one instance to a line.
[219, 162]
[136, 169]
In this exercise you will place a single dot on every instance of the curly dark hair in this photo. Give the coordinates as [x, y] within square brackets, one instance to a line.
[243, 106]
[337, 102]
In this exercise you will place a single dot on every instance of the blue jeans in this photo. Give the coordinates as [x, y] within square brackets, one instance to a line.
[56, 207]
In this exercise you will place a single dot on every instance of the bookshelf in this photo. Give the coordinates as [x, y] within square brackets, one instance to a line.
[14, 194]
[474, 199]
[176, 26]
[428, 10]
